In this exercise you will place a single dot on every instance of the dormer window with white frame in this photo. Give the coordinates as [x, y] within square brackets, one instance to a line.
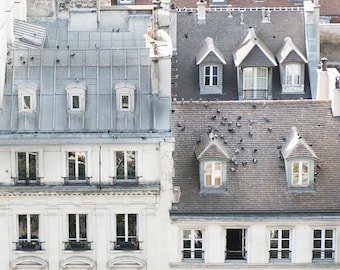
[210, 61]
[125, 97]
[76, 93]
[212, 158]
[292, 68]
[299, 163]
[27, 97]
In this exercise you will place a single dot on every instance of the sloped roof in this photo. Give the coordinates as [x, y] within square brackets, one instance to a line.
[297, 147]
[289, 49]
[209, 146]
[207, 48]
[28, 35]
[255, 133]
[249, 43]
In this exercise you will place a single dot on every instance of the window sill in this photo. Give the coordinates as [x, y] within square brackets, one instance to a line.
[213, 190]
[301, 189]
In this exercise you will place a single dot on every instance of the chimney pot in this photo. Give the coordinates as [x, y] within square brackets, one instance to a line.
[323, 63]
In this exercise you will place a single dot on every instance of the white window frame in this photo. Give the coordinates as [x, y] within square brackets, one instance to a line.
[193, 240]
[290, 72]
[214, 174]
[76, 164]
[252, 82]
[77, 89]
[78, 238]
[27, 165]
[28, 228]
[211, 76]
[125, 165]
[280, 248]
[122, 90]
[27, 90]
[126, 227]
[126, 2]
[323, 247]
[301, 176]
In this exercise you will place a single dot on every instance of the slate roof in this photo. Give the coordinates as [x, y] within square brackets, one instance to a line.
[228, 34]
[255, 133]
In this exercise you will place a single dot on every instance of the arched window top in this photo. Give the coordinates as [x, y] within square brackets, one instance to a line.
[29, 261]
[77, 262]
[127, 261]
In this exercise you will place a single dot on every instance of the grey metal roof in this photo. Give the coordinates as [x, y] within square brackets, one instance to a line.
[255, 134]
[98, 59]
[228, 33]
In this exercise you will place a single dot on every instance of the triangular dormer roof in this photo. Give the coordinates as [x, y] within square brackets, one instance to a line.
[297, 147]
[290, 53]
[210, 147]
[209, 48]
[250, 43]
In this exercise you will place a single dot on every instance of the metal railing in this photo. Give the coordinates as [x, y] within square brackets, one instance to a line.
[81, 245]
[28, 245]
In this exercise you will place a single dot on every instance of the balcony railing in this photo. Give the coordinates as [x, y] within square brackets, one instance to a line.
[25, 245]
[254, 94]
[193, 254]
[117, 181]
[235, 254]
[275, 254]
[121, 245]
[77, 180]
[323, 254]
[81, 245]
[27, 181]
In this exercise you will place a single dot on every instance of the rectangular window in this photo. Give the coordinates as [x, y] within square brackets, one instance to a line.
[293, 74]
[300, 173]
[125, 102]
[323, 244]
[77, 227]
[75, 102]
[279, 244]
[125, 164]
[210, 75]
[26, 102]
[193, 244]
[76, 162]
[27, 165]
[126, 231]
[236, 244]
[28, 227]
[255, 83]
[213, 173]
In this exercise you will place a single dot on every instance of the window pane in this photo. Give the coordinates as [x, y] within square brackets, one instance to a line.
[273, 254]
[329, 233]
[75, 102]
[81, 165]
[317, 243]
[215, 70]
[274, 234]
[186, 244]
[71, 165]
[132, 225]
[198, 254]
[22, 174]
[285, 254]
[274, 244]
[34, 226]
[329, 244]
[317, 233]
[125, 102]
[32, 165]
[285, 233]
[131, 169]
[22, 227]
[120, 165]
[27, 102]
[120, 220]
[285, 244]
[207, 70]
[82, 226]
[72, 232]
[328, 254]
[316, 254]
[186, 234]
[198, 244]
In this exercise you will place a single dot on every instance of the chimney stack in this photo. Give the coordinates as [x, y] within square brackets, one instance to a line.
[201, 11]
[323, 81]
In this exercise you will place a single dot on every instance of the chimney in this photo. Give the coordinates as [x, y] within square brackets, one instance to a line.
[201, 11]
[323, 81]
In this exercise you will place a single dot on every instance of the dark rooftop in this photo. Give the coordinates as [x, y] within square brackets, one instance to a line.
[254, 134]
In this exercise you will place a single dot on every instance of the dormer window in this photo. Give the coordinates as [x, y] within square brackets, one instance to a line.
[254, 63]
[125, 96]
[210, 61]
[27, 93]
[212, 158]
[292, 68]
[299, 162]
[76, 92]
